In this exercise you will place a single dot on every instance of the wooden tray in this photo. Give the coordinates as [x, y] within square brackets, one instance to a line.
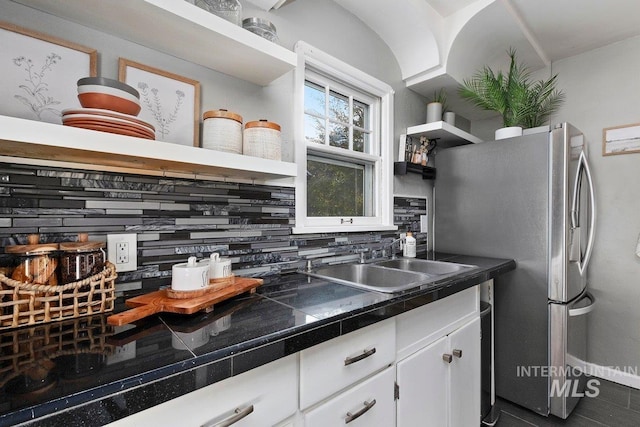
[159, 301]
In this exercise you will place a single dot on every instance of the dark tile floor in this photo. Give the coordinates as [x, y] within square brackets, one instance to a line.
[615, 406]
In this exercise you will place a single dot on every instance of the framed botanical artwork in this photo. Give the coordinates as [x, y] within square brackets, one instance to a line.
[621, 140]
[169, 102]
[40, 73]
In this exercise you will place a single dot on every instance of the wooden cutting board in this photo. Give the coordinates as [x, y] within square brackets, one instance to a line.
[160, 301]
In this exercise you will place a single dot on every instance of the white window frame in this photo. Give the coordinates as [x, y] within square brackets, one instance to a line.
[382, 215]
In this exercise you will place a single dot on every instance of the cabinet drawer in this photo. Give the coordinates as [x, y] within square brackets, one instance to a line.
[271, 390]
[379, 409]
[333, 365]
[421, 326]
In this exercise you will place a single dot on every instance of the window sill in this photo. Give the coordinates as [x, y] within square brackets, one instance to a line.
[342, 229]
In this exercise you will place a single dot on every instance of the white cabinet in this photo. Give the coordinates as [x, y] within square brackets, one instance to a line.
[260, 397]
[329, 367]
[438, 362]
[367, 404]
[440, 384]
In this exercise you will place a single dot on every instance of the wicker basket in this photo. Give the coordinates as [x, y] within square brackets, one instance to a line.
[31, 304]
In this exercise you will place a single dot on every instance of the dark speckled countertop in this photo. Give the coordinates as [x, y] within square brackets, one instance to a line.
[85, 372]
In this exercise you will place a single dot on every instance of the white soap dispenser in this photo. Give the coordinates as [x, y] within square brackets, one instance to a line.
[409, 249]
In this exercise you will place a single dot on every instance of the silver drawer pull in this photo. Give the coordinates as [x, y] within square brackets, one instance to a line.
[237, 416]
[367, 353]
[457, 353]
[367, 405]
[447, 357]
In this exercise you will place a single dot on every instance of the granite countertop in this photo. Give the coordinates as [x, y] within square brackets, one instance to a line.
[86, 372]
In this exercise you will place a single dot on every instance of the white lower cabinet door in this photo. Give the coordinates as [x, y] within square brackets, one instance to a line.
[464, 389]
[368, 404]
[260, 397]
[422, 380]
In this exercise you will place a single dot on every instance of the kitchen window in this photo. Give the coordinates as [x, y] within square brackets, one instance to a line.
[343, 146]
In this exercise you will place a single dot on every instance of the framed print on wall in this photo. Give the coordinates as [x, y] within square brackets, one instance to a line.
[621, 140]
[169, 102]
[40, 73]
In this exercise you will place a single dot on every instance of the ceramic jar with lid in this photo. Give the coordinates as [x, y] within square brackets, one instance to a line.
[222, 131]
[262, 139]
[81, 259]
[37, 262]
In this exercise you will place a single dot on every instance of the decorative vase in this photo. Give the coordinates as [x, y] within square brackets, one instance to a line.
[434, 112]
[508, 132]
[450, 117]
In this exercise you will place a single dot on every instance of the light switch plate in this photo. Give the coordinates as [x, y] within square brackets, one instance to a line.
[123, 251]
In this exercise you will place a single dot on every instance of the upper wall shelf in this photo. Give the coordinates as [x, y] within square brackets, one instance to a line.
[20, 138]
[447, 135]
[182, 30]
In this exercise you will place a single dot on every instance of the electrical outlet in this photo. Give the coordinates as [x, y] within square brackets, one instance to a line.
[122, 251]
[424, 224]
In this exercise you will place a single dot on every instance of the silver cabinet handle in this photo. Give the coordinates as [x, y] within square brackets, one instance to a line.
[349, 360]
[367, 405]
[447, 357]
[457, 353]
[237, 416]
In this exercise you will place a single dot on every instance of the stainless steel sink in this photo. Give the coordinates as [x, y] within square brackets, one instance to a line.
[371, 277]
[390, 275]
[437, 268]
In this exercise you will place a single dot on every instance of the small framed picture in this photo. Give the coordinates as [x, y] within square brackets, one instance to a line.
[169, 102]
[40, 73]
[621, 140]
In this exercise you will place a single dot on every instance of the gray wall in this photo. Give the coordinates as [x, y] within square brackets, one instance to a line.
[603, 88]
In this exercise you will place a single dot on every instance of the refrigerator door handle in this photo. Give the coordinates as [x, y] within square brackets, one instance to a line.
[583, 167]
[583, 310]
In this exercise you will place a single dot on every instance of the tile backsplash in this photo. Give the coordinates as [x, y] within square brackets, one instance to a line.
[175, 218]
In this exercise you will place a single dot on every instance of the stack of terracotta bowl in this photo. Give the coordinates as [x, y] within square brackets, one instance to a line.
[108, 106]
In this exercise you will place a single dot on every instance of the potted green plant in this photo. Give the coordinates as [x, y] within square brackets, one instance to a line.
[520, 101]
[437, 106]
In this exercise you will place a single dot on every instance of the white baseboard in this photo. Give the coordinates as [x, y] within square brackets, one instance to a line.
[622, 375]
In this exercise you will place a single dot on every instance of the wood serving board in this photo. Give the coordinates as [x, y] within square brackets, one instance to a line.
[159, 301]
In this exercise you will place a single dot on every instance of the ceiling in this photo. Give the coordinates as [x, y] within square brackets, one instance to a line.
[454, 38]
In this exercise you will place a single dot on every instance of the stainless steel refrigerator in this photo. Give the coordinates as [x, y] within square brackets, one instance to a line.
[528, 198]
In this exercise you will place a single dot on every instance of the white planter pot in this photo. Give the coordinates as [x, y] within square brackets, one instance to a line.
[450, 117]
[434, 112]
[508, 132]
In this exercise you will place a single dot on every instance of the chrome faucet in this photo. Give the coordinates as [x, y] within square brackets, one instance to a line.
[392, 244]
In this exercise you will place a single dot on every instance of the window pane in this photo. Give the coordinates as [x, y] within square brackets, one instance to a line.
[360, 114]
[338, 107]
[314, 99]
[314, 129]
[358, 141]
[335, 188]
[338, 135]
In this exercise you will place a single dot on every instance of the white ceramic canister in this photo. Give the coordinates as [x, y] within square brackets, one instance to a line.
[222, 131]
[190, 276]
[262, 138]
[219, 268]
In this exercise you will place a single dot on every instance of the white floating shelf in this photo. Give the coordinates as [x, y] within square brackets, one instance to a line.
[181, 29]
[446, 134]
[20, 138]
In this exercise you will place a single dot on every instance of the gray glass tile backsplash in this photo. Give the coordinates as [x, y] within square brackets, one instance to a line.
[176, 218]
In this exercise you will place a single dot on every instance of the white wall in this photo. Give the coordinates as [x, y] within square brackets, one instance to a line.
[603, 90]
